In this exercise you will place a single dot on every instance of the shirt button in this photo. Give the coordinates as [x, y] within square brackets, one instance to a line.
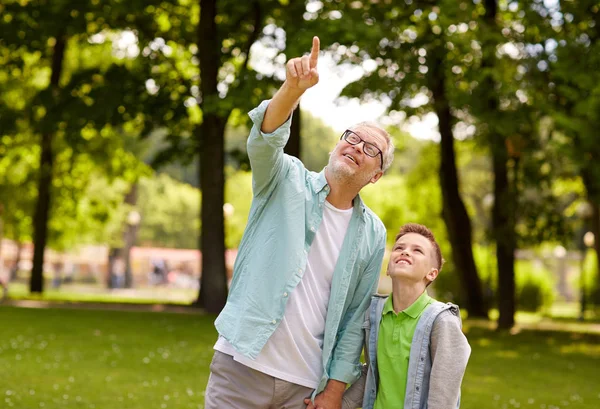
[274, 321]
[300, 270]
[285, 294]
[312, 229]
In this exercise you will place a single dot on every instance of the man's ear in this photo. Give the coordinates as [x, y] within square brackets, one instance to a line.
[432, 275]
[376, 177]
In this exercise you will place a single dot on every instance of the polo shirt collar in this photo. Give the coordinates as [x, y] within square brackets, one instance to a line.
[414, 310]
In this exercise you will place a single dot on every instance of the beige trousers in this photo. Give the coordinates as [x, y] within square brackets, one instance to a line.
[232, 385]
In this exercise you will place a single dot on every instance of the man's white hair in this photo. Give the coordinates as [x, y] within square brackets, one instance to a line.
[374, 128]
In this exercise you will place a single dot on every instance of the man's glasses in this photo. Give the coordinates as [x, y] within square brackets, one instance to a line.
[368, 148]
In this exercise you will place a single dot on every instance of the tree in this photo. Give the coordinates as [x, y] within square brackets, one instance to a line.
[576, 99]
[213, 288]
[562, 67]
[59, 108]
[505, 197]
[240, 26]
[408, 52]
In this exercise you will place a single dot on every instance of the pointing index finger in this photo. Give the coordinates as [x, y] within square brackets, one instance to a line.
[314, 52]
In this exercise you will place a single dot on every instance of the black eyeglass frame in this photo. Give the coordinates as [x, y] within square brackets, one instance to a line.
[379, 152]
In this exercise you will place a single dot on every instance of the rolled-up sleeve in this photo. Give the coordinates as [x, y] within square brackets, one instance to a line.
[265, 151]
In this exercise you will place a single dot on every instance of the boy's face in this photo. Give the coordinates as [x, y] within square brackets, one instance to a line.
[413, 259]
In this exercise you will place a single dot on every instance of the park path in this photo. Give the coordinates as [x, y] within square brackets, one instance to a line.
[107, 306]
[544, 324]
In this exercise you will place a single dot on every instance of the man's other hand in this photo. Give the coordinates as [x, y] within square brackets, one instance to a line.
[325, 400]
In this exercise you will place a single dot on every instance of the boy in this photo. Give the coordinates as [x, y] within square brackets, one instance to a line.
[415, 350]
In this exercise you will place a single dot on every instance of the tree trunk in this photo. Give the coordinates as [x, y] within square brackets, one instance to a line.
[42, 208]
[454, 211]
[505, 198]
[293, 146]
[503, 226]
[1, 237]
[595, 227]
[213, 283]
[592, 187]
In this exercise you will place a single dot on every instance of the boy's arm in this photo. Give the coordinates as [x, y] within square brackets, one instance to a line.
[449, 355]
[354, 395]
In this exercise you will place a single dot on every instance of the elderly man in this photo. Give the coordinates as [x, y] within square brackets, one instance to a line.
[307, 265]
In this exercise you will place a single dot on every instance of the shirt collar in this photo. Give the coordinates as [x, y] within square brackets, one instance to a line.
[414, 310]
[320, 182]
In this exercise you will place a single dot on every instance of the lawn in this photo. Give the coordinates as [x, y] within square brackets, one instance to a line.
[68, 358]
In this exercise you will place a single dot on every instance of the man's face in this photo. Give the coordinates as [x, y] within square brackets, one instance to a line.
[349, 160]
[413, 259]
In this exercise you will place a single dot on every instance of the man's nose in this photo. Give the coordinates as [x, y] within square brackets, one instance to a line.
[360, 146]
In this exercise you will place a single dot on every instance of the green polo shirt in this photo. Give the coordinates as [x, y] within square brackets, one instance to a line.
[393, 350]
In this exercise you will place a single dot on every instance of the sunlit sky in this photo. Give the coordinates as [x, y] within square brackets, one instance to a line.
[323, 100]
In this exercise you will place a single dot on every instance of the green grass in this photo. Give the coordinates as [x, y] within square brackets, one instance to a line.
[63, 358]
[70, 358]
[532, 369]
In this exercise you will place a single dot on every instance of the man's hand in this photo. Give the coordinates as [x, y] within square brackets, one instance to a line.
[309, 404]
[301, 72]
[330, 398]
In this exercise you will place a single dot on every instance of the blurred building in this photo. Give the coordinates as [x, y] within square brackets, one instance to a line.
[89, 264]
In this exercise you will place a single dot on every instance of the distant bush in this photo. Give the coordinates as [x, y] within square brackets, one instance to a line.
[530, 297]
[535, 286]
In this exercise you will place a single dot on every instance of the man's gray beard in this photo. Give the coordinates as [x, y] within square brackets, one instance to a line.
[344, 176]
[340, 172]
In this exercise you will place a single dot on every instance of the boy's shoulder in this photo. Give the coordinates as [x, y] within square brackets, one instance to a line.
[442, 309]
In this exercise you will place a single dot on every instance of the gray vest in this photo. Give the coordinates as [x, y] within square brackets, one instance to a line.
[419, 363]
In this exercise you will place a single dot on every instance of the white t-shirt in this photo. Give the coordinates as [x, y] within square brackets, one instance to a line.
[293, 353]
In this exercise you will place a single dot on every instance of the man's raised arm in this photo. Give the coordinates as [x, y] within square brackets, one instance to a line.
[300, 74]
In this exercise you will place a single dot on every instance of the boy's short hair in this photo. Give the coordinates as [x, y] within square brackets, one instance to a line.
[428, 234]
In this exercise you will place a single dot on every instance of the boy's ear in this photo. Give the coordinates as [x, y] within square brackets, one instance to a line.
[432, 275]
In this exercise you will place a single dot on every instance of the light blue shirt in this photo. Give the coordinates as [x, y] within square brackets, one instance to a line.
[286, 211]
